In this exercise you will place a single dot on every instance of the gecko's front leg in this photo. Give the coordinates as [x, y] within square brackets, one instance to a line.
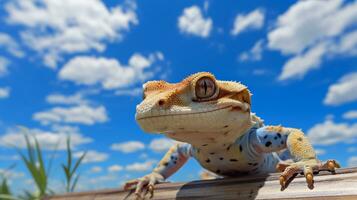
[276, 138]
[176, 157]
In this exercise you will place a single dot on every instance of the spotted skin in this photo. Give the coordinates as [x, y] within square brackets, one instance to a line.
[213, 123]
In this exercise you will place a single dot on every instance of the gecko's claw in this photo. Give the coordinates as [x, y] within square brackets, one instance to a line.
[331, 165]
[288, 174]
[309, 180]
[144, 185]
[307, 168]
[151, 190]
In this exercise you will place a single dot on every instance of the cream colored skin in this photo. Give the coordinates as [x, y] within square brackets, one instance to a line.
[212, 122]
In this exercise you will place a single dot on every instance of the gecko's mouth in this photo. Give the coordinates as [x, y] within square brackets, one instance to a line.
[140, 116]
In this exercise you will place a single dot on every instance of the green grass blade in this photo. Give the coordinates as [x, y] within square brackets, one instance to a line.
[79, 161]
[75, 183]
[5, 189]
[41, 169]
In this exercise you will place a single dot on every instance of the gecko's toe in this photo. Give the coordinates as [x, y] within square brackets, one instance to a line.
[309, 180]
[151, 190]
[287, 175]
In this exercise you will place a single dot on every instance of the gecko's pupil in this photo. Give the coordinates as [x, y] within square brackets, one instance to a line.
[205, 88]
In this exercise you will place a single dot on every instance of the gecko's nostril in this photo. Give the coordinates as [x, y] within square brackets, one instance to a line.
[161, 102]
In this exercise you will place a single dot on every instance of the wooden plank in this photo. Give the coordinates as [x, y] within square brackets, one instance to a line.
[342, 185]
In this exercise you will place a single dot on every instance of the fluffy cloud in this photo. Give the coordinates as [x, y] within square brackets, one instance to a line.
[115, 168]
[320, 151]
[343, 91]
[4, 93]
[350, 114]
[75, 99]
[129, 92]
[352, 161]
[311, 36]
[160, 144]
[47, 139]
[128, 147]
[193, 22]
[54, 28]
[352, 149]
[329, 132]
[9, 158]
[92, 156]
[252, 20]
[95, 169]
[10, 174]
[10, 45]
[140, 167]
[254, 54]
[3, 66]
[109, 73]
[301, 64]
[82, 114]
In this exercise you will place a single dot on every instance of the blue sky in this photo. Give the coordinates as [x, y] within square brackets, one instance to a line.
[76, 68]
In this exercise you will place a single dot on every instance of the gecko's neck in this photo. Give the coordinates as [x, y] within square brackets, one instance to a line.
[211, 140]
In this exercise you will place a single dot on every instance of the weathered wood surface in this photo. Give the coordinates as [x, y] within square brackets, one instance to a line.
[342, 185]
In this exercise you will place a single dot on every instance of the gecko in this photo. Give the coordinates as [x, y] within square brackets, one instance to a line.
[212, 122]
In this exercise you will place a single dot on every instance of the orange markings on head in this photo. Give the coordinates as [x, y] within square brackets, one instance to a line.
[183, 93]
[277, 129]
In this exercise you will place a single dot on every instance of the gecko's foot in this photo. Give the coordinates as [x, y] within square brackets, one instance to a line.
[144, 185]
[307, 168]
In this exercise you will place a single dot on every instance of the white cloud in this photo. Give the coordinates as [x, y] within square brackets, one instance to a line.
[91, 156]
[352, 149]
[343, 91]
[259, 72]
[193, 22]
[10, 174]
[47, 139]
[301, 26]
[161, 144]
[329, 132]
[66, 99]
[311, 36]
[7, 158]
[3, 66]
[4, 93]
[115, 168]
[128, 147]
[54, 28]
[300, 65]
[81, 114]
[129, 92]
[320, 151]
[95, 169]
[352, 114]
[8, 43]
[352, 161]
[140, 167]
[250, 21]
[254, 54]
[109, 73]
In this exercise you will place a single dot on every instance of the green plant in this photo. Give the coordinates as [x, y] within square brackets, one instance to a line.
[36, 167]
[5, 190]
[34, 163]
[70, 173]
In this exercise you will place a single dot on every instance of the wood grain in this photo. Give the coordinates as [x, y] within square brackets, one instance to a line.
[342, 185]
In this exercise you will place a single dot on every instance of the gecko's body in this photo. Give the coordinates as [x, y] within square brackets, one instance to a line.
[213, 123]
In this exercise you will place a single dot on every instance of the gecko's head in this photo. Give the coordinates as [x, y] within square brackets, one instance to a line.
[198, 108]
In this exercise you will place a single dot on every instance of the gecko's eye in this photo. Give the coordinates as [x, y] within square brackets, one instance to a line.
[205, 88]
